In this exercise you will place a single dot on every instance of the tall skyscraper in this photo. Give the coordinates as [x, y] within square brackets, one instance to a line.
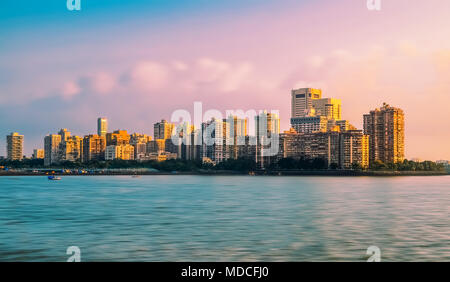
[51, 148]
[353, 149]
[118, 137]
[267, 124]
[328, 107]
[102, 126]
[14, 147]
[302, 101]
[267, 133]
[237, 129]
[163, 130]
[386, 129]
[214, 135]
[94, 147]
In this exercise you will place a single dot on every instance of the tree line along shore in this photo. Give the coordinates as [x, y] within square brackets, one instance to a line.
[287, 166]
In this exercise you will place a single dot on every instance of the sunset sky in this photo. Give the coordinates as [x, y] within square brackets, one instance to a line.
[137, 61]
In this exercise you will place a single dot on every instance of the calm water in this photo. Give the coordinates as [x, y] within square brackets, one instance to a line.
[225, 218]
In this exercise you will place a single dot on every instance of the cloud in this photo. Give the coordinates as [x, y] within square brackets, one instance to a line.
[70, 89]
[148, 76]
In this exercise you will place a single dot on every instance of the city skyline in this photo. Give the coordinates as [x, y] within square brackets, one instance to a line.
[317, 131]
[137, 67]
[324, 109]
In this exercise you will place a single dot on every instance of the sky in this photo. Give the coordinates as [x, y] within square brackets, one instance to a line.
[137, 61]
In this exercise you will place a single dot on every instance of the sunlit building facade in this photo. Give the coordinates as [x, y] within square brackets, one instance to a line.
[14, 147]
[102, 126]
[51, 149]
[386, 129]
[302, 101]
[94, 147]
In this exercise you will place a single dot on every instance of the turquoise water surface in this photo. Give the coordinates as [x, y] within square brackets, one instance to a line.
[224, 218]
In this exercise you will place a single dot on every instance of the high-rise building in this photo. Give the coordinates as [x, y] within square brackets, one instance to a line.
[309, 124]
[342, 149]
[118, 137]
[14, 147]
[38, 154]
[328, 107]
[139, 142]
[267, 137]
[65, 134]
[156, 146]
[51, 149]
[237, 132]
[71, 149]
[353, 149]
[163, 130]
[386, 129]
[344, 125]
[321, 145]
[119, 152]
[102, 126]
[302, 101]
[214, 136]
[267, 124]
[93, 148]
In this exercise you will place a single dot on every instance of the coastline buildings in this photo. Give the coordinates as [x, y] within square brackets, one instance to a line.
[118, 137]
[318, 132]
[214, 136]
[70, 148]
[102, 126]
[163, 130]
[38, 154]
[94, 147]
[51, 148]
[120, 152]
[339, 149]
[139, 142]
[328, 107]
[62, 147]
[238, 130]
[386, 128]
[302, 101]
[311, 113]
[14, 147]
[267, 138]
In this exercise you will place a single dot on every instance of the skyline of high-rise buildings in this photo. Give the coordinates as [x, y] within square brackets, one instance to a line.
[317, 130]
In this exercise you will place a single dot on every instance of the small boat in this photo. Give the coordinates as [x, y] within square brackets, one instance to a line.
[52, 177]
[135, 176]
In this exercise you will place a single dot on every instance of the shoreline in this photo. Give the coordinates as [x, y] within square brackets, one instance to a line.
[131, 172]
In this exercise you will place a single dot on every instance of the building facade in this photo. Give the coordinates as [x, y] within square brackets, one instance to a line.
[119, 152]
[163, 130]
[353, 149]
[102, 126]
[117, 138]
[38, 154]
[51, 149]
[302, 101]
[94, 147]
[340, 149]
[328, 107]
[386, 129]
[14, 147]
[70, 148]
[309, 124]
